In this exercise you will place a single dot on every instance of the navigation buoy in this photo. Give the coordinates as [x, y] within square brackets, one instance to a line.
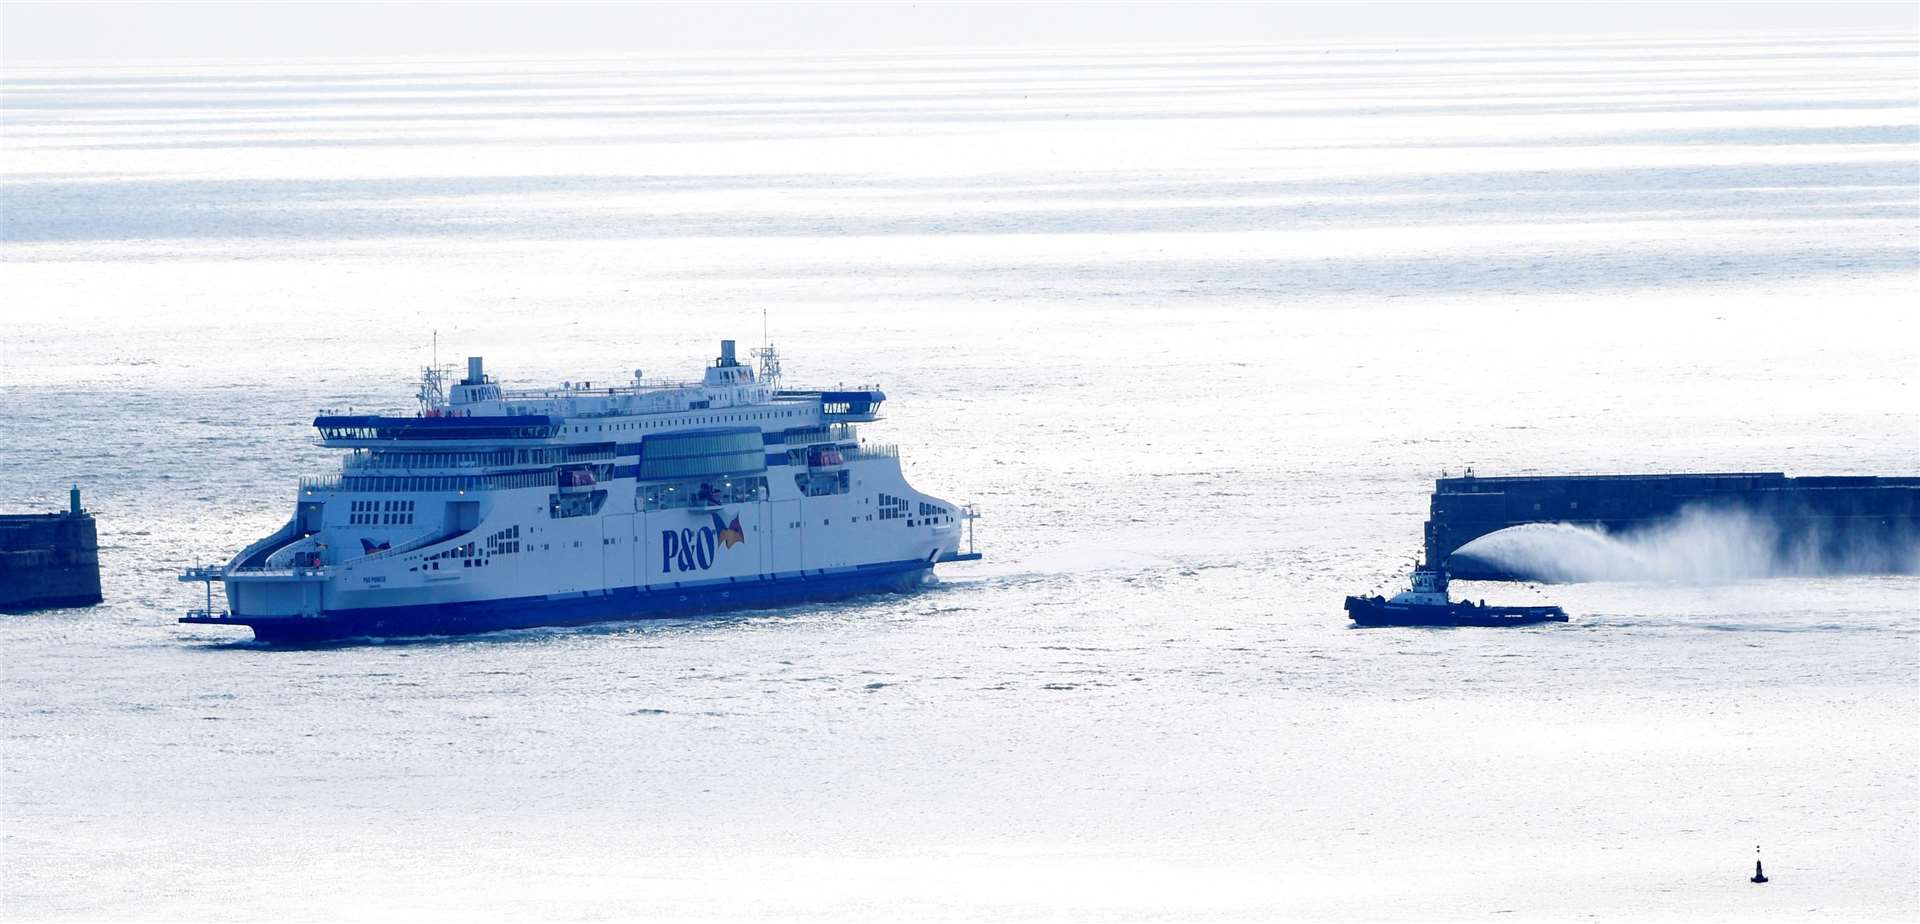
[1758, 874]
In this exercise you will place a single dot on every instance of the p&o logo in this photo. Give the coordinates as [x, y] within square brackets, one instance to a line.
[696, 549]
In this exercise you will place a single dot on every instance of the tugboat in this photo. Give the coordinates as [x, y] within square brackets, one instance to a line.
[1426, 604]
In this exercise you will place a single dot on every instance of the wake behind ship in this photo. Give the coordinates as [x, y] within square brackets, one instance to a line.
[495, 509]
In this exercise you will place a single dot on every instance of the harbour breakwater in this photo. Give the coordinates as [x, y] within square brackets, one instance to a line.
[1707, 526]
[49, 559]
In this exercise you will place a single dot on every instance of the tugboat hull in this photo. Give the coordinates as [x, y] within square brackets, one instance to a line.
[1377, 611]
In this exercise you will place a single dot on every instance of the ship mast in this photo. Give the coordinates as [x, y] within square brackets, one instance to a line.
[767, 357]
[432, 391]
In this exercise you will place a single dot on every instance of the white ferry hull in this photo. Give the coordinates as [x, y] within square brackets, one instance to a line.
[505, 510]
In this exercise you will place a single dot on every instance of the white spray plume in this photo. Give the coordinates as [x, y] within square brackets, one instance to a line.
[1702, 546]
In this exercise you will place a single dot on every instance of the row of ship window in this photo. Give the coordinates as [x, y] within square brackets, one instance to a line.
[829, 521]
[894, 508]
[386, 458]
[400, 512]
[381, 513]
[470, 558]
[507, 541]
[370, 484]
[649, 425]
[504, 542]
[700, 494]
[458, 551]
[686, 445]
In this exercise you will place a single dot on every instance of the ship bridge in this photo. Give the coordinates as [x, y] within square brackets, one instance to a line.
[844, 405]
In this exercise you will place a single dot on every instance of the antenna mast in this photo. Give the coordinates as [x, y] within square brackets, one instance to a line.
[769, 372]
[433, 392]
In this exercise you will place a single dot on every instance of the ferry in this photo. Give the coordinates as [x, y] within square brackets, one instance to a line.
[490, 508]
[1426, 603]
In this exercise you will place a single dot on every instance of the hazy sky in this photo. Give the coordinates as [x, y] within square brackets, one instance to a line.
[131, 31]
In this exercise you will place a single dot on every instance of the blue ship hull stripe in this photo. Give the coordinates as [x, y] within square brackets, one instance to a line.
[626, 603]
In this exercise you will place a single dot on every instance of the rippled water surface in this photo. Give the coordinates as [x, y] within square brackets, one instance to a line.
[1196, 327]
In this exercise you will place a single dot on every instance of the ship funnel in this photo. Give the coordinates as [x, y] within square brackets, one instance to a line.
[474, 371]
[726, 353]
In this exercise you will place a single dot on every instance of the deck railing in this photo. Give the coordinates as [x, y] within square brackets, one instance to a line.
[369, 484]
[401, 460]
[828, 433]
[315, 571]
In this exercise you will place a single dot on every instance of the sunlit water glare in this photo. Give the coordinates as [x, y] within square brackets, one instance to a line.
[1196, 328]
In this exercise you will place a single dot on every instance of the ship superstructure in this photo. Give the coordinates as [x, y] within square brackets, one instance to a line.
[492, 508]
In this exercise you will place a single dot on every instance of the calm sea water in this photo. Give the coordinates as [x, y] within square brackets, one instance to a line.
[1196, 327]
